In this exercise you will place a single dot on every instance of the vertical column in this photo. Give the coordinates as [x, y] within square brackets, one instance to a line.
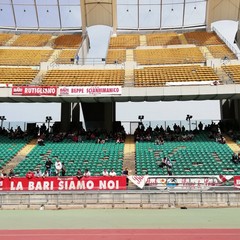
[65, 116]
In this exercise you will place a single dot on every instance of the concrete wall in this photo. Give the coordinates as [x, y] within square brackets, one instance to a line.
[133, 199]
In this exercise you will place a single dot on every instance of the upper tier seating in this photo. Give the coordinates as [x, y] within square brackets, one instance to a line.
[88, 154]
[17, 76]
[221, 51]
[17, 57]
[68, 41]
[168, 56]
[203, 38]
[5, 37]
[84, 78]
[200, 156]
[159, 76]
[159, 39]
[233, 71]
[116, 56]
[124, 42]
[32, 40]
[66, 57]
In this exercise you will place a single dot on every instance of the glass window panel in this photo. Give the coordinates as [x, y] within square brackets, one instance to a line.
[127, 16]
[149, 16]
[172, 15]
[5, 1]
[195, 14]
[46, 2]
[170, 2]
[145, 2]
[6, 16]
[69, 2]
[71, 16]
[23, 2]
[25, 16]
[48, 17]
[127, 2]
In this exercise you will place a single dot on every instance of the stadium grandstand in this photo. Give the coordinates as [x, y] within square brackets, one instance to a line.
[174, 55]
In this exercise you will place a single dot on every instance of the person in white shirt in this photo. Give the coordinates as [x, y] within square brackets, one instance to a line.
[86, 173]
[105, 172]
[58, 167]
[112, 173]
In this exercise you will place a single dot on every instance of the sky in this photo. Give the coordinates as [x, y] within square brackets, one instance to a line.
[36, 112]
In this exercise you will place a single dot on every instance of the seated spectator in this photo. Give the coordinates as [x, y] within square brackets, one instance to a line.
[105, 172]
[11, 174]
[30, 174]
[38, 173]
[87, 173]
[79, 174]
[40, 141]
[235, 158]
[112, 173]
[45, 174]
[165, 163]
[3, 174]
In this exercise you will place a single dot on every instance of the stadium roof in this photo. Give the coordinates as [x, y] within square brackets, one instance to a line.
[65, 15]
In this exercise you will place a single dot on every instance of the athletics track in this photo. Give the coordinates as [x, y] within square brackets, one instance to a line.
[120, 224]
[123, 234]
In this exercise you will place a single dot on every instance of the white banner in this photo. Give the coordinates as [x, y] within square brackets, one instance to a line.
[181, 182]
[91, 90]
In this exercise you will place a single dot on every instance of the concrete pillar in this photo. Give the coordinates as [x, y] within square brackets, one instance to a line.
[99, 115]
[65, 116]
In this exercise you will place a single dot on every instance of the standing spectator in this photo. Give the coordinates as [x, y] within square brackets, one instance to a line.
[63, 169]
[58, 167]
[112, 173]
[48, 166]
[105, 172]
[125, 173]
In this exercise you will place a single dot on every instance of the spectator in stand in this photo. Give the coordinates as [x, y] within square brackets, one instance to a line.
[87, 173]
[58, 167]
[45, 174]
[105, 172]
[235, 158]
[11, 174]
[30, 174]
[38, 173]
[79, 174]
[3, 174]
[48, 166]
[63, 170]
[125, 173]
[163, 162]
[112, 173]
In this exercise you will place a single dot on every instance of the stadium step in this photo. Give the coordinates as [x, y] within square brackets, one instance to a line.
[206, 53]
[143, 40]
[55, 55]
[129, 55]
[21, 155]
[234, 146]
[182, 39]
[12, 40]
[129, 154]
[39, 77]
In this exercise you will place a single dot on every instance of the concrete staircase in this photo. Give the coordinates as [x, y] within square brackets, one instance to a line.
[38, 79]
[12, 40]
[129, 154]
[55, 55]
[206, 52]
[129, 55]
[21, 155]
[235, 148]
[182, 39]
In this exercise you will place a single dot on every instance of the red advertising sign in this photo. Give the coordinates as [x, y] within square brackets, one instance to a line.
[34, 91]
[237, 181]
[63, 184]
